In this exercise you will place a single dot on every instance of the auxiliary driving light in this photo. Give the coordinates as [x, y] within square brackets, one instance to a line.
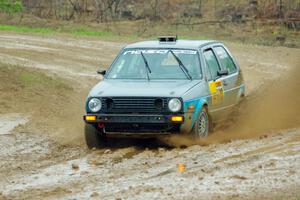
[90, 118]
[177, 119]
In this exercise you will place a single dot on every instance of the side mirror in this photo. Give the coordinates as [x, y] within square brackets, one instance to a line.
[101, 71]
[223, 72]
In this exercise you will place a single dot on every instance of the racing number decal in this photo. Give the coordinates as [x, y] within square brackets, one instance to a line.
[217, 92]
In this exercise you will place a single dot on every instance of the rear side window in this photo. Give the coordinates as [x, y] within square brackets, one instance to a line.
[212, 64]
[225, 60]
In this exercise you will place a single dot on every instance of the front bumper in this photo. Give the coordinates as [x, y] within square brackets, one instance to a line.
[143, 124]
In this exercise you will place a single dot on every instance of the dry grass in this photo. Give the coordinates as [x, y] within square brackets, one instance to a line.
[251, 32]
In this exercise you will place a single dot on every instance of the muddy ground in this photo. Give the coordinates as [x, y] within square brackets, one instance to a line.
[44, 80]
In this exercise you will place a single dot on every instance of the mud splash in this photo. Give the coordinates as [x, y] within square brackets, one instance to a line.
[273, 108]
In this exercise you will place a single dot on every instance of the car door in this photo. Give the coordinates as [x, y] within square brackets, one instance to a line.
[215, 85]
[230, 81]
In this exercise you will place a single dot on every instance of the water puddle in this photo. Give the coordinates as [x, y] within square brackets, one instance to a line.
[9, 121]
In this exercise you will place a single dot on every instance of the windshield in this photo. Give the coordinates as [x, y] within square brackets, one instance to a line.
[156, 64]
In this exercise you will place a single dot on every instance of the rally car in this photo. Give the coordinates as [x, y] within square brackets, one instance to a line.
[164, 87]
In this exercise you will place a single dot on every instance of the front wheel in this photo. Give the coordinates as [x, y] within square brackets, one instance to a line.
[202, 125]
[93, 137]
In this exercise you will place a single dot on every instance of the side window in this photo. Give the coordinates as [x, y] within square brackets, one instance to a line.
[212, 63]
[225, 59]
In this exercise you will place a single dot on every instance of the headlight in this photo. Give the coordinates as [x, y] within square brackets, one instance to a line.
[95, 105]
[174, 105]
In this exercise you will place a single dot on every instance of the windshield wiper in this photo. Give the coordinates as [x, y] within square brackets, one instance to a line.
[181, 65]
[147, 65]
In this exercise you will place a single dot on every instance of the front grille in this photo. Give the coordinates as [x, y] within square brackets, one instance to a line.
[135, 105]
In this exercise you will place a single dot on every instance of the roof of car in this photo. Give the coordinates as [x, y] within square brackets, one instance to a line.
[185, 44]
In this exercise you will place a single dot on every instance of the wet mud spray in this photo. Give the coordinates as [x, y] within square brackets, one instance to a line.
[274, 108]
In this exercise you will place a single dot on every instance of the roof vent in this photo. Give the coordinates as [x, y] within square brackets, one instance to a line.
[167, 38]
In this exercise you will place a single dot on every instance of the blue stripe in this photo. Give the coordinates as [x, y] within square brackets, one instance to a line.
[191, 117]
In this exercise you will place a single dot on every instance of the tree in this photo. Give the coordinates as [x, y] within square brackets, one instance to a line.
[200, 7]
[154, 4]
[107, 8]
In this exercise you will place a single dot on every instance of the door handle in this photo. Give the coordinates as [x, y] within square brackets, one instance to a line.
[225, 83]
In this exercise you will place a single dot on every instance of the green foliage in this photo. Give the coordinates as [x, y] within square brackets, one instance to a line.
[79, 31]
[11, 6]
[25, 29]
[83, 31]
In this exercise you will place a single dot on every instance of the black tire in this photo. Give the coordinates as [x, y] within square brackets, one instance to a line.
[93, 137]
[203, 125]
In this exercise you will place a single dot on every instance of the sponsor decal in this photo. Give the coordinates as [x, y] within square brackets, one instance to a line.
[159, 51]
[217, 92]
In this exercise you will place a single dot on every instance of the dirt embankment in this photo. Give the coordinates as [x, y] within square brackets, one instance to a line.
[50, 102]
[48, 85]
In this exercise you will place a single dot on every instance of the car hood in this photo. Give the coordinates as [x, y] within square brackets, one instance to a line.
[168, 88]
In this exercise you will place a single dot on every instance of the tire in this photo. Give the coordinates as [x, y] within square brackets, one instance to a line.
[203, 125]
[93, 137]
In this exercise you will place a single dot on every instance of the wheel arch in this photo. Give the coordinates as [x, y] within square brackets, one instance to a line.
[191, 117]
[204, 105]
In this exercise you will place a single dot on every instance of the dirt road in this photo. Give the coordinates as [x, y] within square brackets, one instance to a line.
[43, 155]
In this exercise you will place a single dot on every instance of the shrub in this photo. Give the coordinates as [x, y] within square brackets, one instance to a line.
[11, 6]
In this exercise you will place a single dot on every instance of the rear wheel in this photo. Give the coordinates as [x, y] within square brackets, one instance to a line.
[93, 137]
[202, 125]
